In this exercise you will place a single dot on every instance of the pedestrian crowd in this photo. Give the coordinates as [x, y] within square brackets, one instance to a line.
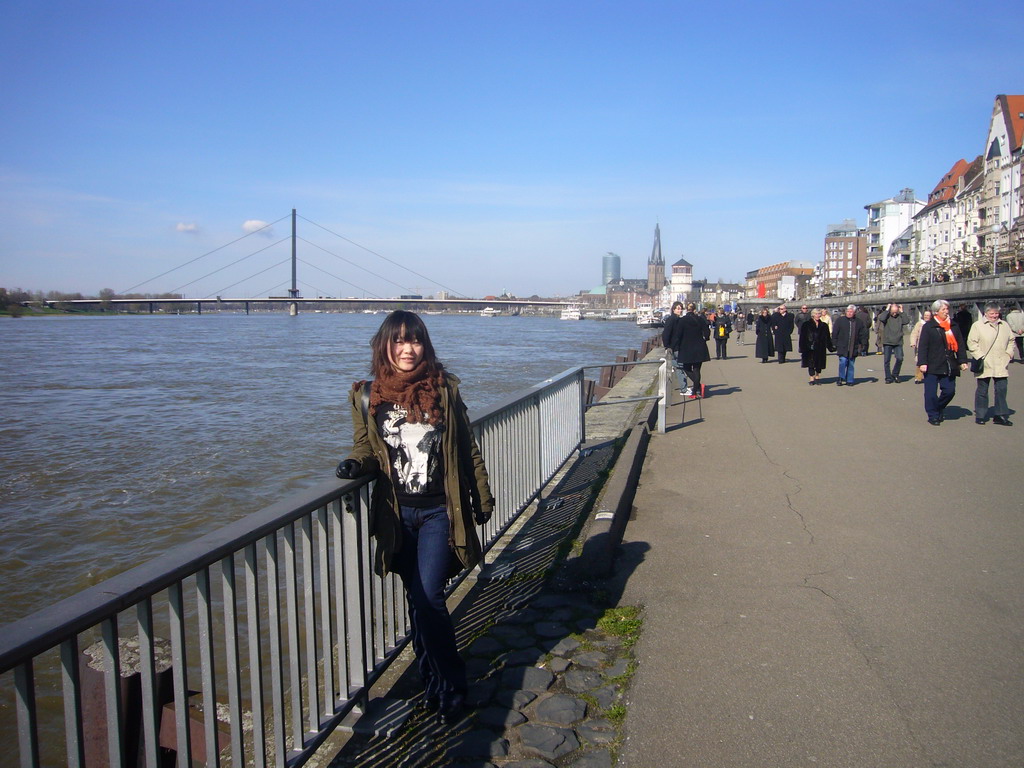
[943, 347]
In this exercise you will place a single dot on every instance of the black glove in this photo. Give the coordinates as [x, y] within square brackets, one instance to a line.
[348, 469]
[481, 517]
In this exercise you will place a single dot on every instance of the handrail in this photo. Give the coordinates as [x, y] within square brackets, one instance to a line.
[318, 626]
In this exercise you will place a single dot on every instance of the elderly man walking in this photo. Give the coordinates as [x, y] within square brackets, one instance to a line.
[850, 338]
[782, 330]
[991, 340]
[941, 355]
[892, 322]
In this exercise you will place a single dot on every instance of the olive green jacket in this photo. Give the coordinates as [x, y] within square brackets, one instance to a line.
[466, 486]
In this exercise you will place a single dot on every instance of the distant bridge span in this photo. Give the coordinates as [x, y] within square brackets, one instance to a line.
[503, 304]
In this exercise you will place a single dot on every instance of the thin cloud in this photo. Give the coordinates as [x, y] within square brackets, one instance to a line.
[189, 227]
[258, 225]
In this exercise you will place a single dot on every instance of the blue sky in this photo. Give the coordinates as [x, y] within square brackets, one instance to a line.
[487, 146]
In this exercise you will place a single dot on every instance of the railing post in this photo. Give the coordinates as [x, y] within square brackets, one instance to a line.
[663, 391]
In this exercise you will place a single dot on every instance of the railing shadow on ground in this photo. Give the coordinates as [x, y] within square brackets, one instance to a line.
[498, 602]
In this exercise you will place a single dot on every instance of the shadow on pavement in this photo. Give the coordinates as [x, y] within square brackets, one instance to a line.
[528, 637]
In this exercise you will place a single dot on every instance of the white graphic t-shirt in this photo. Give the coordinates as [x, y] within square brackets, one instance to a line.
[414, 451]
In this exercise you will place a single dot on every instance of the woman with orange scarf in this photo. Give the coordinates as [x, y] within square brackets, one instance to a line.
[941, 355]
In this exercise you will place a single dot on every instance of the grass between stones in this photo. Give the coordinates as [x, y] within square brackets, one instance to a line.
[623, 621]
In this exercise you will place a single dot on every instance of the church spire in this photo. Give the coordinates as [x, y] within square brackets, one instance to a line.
[656, 264]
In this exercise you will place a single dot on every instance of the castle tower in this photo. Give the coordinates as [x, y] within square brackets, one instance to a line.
[656, 264]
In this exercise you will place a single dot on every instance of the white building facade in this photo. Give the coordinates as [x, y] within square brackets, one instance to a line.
[681, 283]
[1002, 213]
[887, 220]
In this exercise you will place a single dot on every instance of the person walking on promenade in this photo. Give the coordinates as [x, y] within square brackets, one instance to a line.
[782, 329]
[941, 355]
[891, 324]
[722, 330]
[826, 318]
[764, 347]
[964, 319]
[1016, 322]
[693, 347]
[411, 431]
[865, 318]
[991, 340]
[915, 336]
[671, 336]
[740, 326]
[815, 343]
[800, 318]
[879, 346]
[850, 337]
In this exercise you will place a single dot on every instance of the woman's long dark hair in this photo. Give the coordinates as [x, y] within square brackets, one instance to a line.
[400, 325]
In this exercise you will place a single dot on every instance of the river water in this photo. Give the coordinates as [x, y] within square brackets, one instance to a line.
[123, 436]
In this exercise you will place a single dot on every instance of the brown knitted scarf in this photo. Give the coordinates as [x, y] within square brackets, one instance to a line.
[418, 391]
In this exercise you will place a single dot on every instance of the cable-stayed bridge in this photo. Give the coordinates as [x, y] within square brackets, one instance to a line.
[288, 291]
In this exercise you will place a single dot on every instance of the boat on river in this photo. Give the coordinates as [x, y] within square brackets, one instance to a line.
[489, 312]
[571, 312]
[648, 317]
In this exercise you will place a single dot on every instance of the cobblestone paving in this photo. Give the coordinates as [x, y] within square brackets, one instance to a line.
[546, 680]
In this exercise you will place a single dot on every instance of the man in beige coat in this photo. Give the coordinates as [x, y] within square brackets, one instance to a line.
[992, 340]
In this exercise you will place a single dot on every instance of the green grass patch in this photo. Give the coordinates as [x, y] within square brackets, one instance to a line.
[624, 622]
[616, 714]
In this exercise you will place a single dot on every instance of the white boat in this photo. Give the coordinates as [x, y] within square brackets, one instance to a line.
[647, 317]
[489, 312]
[571, 312]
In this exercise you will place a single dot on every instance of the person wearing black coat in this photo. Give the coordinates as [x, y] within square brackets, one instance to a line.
[850, 338]
[941, 355]
[689, 340]
[782, 329]
[815, 343]
[670, 338]
[764, 347]
[723, 328]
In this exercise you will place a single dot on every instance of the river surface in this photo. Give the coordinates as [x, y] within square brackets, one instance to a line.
[123, 436]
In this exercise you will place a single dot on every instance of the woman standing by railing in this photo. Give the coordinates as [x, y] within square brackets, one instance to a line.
[411, 429]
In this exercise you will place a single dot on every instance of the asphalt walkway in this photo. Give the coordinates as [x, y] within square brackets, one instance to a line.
[826, 578]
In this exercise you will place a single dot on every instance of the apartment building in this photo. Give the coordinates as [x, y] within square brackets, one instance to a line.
[944, 233]
[844, 259]
[887, 220]
[765, 282]
[1001, 212]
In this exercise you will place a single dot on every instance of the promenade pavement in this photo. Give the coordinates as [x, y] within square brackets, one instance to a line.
[826, 578]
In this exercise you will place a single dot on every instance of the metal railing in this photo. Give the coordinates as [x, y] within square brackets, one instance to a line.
[249, 645]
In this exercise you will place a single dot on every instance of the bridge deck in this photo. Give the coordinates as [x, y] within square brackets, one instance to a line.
[827, 578]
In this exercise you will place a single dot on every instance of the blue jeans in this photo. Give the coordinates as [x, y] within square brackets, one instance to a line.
[938, 392]
[423, 564]
[893, 350]
[680, 376]
[846, 369]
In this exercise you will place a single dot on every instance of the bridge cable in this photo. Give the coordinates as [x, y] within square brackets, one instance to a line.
[275, 287]
[319, 291]
[254, 274]
[314, 266]
[197, 258]
[405, 287]
[220, 269]
[391, 261]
